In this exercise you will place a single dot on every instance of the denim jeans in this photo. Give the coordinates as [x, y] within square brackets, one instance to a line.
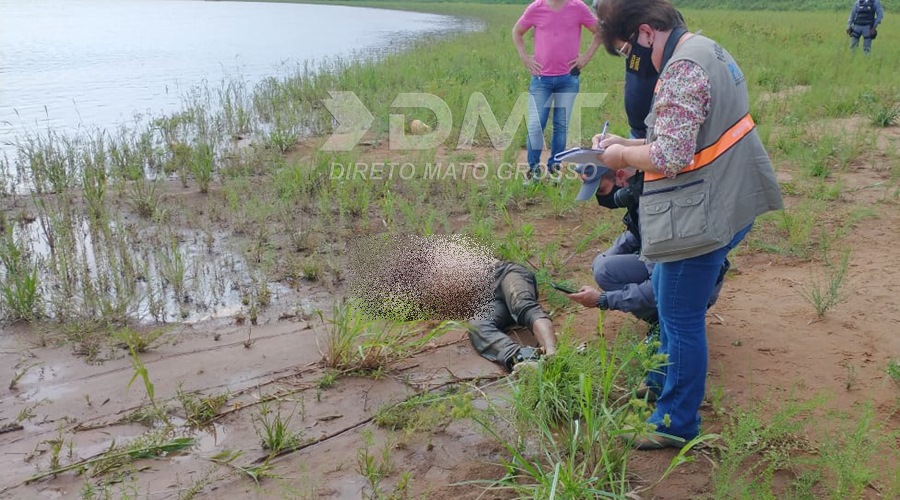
[683, 290]
[557, 92]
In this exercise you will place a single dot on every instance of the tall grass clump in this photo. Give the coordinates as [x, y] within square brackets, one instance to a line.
[885, 115]
[273, 430]
[882, 109]
[825, 294]
[146, 198]
[202, 164]
[754, 446]
[357, 342]
[20, 284]
[47, 163]
[562, 424]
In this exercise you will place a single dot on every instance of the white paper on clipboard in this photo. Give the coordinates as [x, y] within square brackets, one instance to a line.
[580, 155]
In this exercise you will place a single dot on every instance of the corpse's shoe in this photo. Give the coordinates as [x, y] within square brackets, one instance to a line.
[644, 392]
[525, 367]
[524, 357]
[648, 441]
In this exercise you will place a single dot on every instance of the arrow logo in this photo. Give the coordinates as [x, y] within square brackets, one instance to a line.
[352, 117]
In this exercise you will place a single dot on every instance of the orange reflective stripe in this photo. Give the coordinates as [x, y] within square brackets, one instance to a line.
[709, 154]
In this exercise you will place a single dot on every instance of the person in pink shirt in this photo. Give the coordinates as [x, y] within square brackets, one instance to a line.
[555, 68]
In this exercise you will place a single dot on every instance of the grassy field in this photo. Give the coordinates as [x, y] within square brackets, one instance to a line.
[113, 242]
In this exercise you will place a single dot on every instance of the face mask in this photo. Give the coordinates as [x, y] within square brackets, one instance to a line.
[607, 200]
[639, 61]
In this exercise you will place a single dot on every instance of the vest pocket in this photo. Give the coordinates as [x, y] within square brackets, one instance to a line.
[691, 215]
[656, 221]
[676, 222]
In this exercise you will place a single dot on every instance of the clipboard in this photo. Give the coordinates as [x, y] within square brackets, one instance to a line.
[580, 155]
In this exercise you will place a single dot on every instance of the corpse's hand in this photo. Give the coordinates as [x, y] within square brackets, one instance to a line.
[587, 296]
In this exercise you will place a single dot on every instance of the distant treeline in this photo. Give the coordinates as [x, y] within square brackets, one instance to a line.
[766, 4]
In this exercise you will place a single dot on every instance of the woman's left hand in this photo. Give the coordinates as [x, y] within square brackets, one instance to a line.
[614, 157]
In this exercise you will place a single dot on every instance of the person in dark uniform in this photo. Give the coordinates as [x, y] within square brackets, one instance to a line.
[865, 16]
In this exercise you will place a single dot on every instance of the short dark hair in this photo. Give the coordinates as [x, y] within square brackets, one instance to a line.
[620, 19]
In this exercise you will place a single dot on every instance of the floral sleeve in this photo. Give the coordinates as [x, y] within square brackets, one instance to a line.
[682, 104]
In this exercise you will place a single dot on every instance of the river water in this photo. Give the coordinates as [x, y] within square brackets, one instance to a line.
[72, 65]
[75, 66]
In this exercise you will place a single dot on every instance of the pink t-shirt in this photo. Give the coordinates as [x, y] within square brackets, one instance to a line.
[557, 33]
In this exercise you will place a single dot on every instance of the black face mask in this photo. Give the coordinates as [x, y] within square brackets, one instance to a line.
[607, 200]
[639, 61]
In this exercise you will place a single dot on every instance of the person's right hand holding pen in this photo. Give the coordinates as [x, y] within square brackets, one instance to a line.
[597, 139]
[613, 157]
[604, 139]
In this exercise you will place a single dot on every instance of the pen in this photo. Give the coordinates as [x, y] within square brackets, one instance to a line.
[605, 128]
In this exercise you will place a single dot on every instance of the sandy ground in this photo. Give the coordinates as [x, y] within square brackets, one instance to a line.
[765, 345]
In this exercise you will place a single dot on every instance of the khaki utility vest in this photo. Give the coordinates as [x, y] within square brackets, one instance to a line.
[728, 184]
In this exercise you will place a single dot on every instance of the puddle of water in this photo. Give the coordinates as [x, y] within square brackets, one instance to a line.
[347, 488]
[46, 392]
[40, 374]
[90, 271]
[207, 440]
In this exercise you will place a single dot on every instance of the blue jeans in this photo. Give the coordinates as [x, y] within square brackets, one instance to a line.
[561, 90]
[683, 289]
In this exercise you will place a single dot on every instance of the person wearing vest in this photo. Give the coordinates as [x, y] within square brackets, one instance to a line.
[624, 279]
[707, 177]
[865, 16]
[555, 68]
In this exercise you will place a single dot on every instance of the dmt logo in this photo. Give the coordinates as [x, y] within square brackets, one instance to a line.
[353, 120]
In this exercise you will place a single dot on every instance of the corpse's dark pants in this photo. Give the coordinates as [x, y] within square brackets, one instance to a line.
[514, 303]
